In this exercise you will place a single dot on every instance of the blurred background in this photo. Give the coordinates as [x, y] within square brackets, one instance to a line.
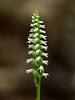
[15, 18]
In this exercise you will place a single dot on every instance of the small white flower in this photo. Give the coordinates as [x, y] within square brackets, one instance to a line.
[30, 35]
[42, 36]
[43, 42]
[41, 68]
[35, 40]
[31, 30]
[33, 17]
[35, 30]
[45, 75]
[45, 54]
[42, 26]
[42, 31]
[37, 16]
[36, 20]
[29, 60]
[30, 46]
[40, 21]
[35, 35]
[29, 71]
[34, 24]
[44, 47]
[36, 46]
[38, 58]
[30, 52]
[30, 40]
[33, 20]
[37, 52]
[45, 62]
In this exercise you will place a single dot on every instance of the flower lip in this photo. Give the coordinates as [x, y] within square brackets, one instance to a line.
[45, 75]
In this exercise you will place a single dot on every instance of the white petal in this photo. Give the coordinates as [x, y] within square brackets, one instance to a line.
[30, 46]
[36, 20]
[29, 60]
[35, 30]
[33, 20]
[36, 34]
[31, 30]
[30, 52]
[34, 24]
[31, 25]
[35, 40]
[41, 68]
[45, 54]
[30, 40]
[33, 17]
[38, 58]
[36, 46]
[40, 21]
[45, 62]
[42, 36]
[30, 35]
[42, 31]
[42, 26]
[45, 75]
[37, 16]
[43, 42]
[44, 47]
[29, 71]
[37, 52]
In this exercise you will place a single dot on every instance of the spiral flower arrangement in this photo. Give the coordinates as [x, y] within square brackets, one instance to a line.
[37, 42]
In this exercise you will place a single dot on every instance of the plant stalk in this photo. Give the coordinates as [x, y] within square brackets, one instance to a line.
[38, 90]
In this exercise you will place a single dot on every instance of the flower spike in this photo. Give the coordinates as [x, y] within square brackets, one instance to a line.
[37, 42]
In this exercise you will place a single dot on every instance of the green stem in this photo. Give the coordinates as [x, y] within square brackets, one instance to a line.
[38, 90]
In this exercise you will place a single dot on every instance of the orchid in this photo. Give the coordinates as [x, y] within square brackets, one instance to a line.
[37, 42]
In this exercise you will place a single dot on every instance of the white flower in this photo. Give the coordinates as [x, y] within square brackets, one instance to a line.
[33, 20]
[36, 20]
[35, 30]
[44, 47]
[29, 60]
[42, 31]
[34, 24]
[30, 40]
[30, 52]
[45, 75]
[42, 26]
[41, 68]
[40, 21]
[45, 62]
[30, 35]
[35, 35]
[33, 17]
[42, 36]
[37, 16]
[30, 46]
[37, 52]
[36, 46]
[29, 71]
[45, 54]
[31, 30]
[38, 58]
[35, 40]
[43, 42]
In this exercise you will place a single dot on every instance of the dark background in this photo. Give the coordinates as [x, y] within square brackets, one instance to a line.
[15, 18]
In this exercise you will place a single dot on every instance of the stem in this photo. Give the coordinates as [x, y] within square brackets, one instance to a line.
[38, 90]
